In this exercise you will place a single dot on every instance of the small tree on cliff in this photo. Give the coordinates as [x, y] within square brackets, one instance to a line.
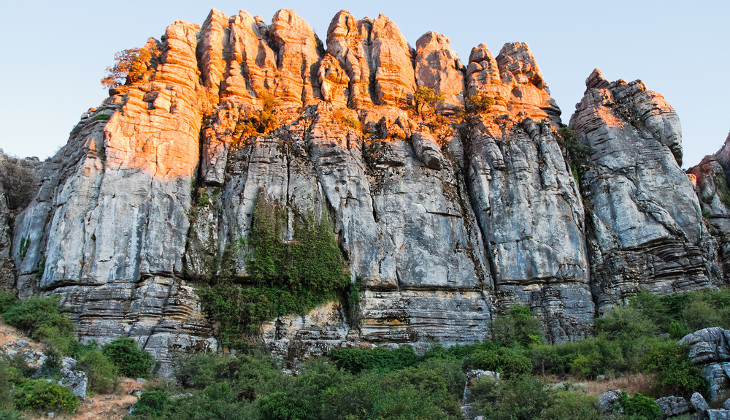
[130, 65]
[424, 98]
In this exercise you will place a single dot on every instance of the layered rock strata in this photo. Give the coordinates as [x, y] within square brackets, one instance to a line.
[446, 221]
[645, 224]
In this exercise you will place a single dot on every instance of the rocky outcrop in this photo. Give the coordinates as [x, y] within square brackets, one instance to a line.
[709, 349]
[644, 220]
[439, 68]
[527, 200]
[444, 221]
[709, 178]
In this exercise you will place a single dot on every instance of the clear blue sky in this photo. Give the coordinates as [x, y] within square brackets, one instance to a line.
[55, 52]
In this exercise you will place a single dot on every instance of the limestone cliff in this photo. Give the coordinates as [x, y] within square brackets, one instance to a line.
[446, 216]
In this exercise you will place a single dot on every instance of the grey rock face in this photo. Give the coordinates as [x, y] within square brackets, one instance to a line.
[645, 222]
[709, 349]
[672, 406]
[698, 403]
[717, 414]
[75, 380]
[608, 402]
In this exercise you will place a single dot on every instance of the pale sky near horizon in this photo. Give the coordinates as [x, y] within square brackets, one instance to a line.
[55, 52]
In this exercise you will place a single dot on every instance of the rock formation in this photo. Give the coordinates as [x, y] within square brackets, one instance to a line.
[646, 226]
[445, 220]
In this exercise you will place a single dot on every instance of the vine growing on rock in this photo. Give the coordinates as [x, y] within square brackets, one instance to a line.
[285, 276]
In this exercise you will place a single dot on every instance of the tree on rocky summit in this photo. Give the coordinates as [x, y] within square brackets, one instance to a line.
[130, 65]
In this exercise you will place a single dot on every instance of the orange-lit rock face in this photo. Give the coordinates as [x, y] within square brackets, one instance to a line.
[297, 58]
[513, 81]
[439, 68]
[346, 40]
[391, 55]
[157, 129]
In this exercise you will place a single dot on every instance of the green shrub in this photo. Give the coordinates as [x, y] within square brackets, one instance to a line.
[100, 370]
[698, 314]
[519, 398]
[639, 407]
[573, 405]
[128, 358]
[479, 103]
[151, 404]
[382, 359]
[217, 401]
[517, 327]
[41, 319]
[425, 98]
[675, 373]
[280, 406]
[507, 361]
[40, 395]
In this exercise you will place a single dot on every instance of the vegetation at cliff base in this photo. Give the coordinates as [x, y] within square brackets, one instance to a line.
[286, 277]
[537, 380]
[36, 388]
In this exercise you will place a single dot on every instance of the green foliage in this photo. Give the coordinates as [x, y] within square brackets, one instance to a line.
[675, 373]
[260, 121]
[152, 404]
[382, 359]
[575, 152]
[479, 103]
[202, 197]
[24, 244]
[288, 277]
[425, 98]
[721, 188]
[505, 360]
[639, 407]
[41, 268]
[100, 370]
[41, 319]
[102, 117]
[128, 358]
[573, 405]
[130, 65]
[40, 395]
[517, 328]
[352, 300]
[519, 398]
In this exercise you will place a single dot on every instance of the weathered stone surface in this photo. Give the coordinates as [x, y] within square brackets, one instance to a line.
[347, 40]
[531, 214]
[709, 178]
[607, 402]
[333, 81]
[439, 68]
[672, 406]
[74, 380]
[709, 349]
[717, 414]
[708, 345]
[698, 403]
[513, 80]
[646, 229]
[391, 58]
[299, 53]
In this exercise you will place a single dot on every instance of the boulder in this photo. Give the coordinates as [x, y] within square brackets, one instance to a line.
[672, 406]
